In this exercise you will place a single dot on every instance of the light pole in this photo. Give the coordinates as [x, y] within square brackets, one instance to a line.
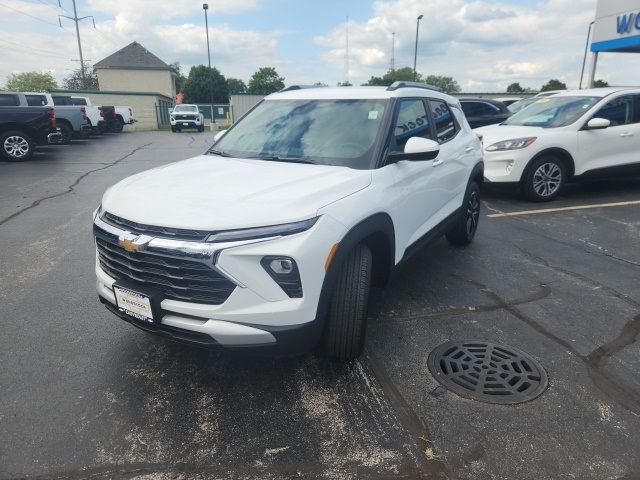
[584, 59]
[415, 53]
[205, 7]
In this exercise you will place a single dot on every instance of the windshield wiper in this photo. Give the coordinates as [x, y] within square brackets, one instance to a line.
[277, 158]
[220, 153]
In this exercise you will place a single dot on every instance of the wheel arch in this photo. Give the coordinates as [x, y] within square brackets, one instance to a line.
[378, 234]
[560, 153]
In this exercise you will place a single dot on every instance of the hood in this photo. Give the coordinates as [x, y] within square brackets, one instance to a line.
[497, 133]
[215, 193]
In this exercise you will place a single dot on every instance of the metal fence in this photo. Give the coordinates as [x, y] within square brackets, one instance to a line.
[163, 107]
[219, 112]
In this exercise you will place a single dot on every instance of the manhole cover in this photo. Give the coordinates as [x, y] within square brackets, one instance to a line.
[487, 372]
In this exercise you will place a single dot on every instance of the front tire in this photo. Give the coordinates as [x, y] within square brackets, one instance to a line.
[544, 179]
[347, 318]
[16, 146]
[466, 225]
[201, 128]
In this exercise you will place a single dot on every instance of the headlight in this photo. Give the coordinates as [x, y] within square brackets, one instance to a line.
[513, 144]
[262, 232]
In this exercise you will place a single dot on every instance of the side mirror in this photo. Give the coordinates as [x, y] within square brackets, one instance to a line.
[416, 149]
[598, 124]
[219, 135]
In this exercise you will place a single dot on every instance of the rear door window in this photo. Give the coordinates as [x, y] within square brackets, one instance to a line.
[8, 100]
[445, 124]
[36, 100]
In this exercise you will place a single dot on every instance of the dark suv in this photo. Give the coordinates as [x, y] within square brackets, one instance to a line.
[482, 111]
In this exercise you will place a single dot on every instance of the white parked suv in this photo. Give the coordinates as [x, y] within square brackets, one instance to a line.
[567, 136]
[186, 116]
[273, 238]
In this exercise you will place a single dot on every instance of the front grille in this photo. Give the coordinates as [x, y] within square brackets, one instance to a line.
[154, 231]
[176, 278]
[185, 117]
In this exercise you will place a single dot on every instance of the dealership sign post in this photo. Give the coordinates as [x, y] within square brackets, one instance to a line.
[616, 29]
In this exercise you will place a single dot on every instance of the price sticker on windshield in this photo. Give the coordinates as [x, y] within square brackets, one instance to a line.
[373, 115]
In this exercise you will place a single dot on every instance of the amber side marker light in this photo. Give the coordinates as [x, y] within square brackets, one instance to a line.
[332, 252]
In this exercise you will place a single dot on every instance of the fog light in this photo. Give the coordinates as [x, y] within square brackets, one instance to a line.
[510, 166]
[281, 266]
[284, 272]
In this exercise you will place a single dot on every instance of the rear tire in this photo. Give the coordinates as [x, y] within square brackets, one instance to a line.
[16, 146]
[466, 225]
[67, 134]
[117, 126]
[544, 179]
[347, 318]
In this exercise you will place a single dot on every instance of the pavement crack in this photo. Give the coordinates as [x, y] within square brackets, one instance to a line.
[628, 335]
[71, 187]
[603, 251]
[408, 417]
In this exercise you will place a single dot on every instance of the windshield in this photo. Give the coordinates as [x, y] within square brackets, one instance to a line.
[328, 132]
[515, 107]
[552, 112]
[185, 108]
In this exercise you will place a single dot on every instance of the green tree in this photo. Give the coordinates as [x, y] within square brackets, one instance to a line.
[447, 84]
[515, 88]
[76, 82]
[265, 81]
[181, 80]
[202, 82]
[346, 83]
[393, 75]
[553, 85]
[31, 82]
[320, 84]
[235, 86]
[600, 84]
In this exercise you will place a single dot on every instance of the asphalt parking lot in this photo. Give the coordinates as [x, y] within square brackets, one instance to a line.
[85, 395]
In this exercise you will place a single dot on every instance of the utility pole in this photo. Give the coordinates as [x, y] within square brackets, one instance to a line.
[205, 7]
[392, 65]
[415, 52]
[77, 21]
[346, 55]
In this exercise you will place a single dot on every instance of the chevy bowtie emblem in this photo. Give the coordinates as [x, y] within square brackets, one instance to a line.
[133, 243]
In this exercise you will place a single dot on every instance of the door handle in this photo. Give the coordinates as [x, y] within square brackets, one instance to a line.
[437, 161]
[468, 149]
[626, 134]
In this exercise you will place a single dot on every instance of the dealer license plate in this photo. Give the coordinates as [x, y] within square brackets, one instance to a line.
[134, 304]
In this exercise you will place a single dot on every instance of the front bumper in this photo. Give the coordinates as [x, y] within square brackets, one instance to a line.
[258, 314]
[506, 166]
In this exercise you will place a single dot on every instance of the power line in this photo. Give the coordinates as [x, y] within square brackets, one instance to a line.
[28, 15]
[35, 49]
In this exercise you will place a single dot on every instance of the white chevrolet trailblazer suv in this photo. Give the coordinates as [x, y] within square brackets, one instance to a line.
[273, 238]
[567, 136]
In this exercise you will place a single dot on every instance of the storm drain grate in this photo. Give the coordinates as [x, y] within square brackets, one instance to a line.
[487, 372]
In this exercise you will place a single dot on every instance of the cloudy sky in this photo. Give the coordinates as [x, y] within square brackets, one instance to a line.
[484, 44]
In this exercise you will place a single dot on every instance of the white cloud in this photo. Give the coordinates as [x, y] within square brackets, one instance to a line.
[485, 46]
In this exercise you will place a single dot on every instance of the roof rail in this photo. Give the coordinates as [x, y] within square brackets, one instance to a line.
[298, 87]
[402, 84]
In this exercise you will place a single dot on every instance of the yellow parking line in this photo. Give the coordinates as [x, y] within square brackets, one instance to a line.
[563, 209]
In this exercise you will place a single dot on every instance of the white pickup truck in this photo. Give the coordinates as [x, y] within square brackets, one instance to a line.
[186, 116]
[124, 114]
